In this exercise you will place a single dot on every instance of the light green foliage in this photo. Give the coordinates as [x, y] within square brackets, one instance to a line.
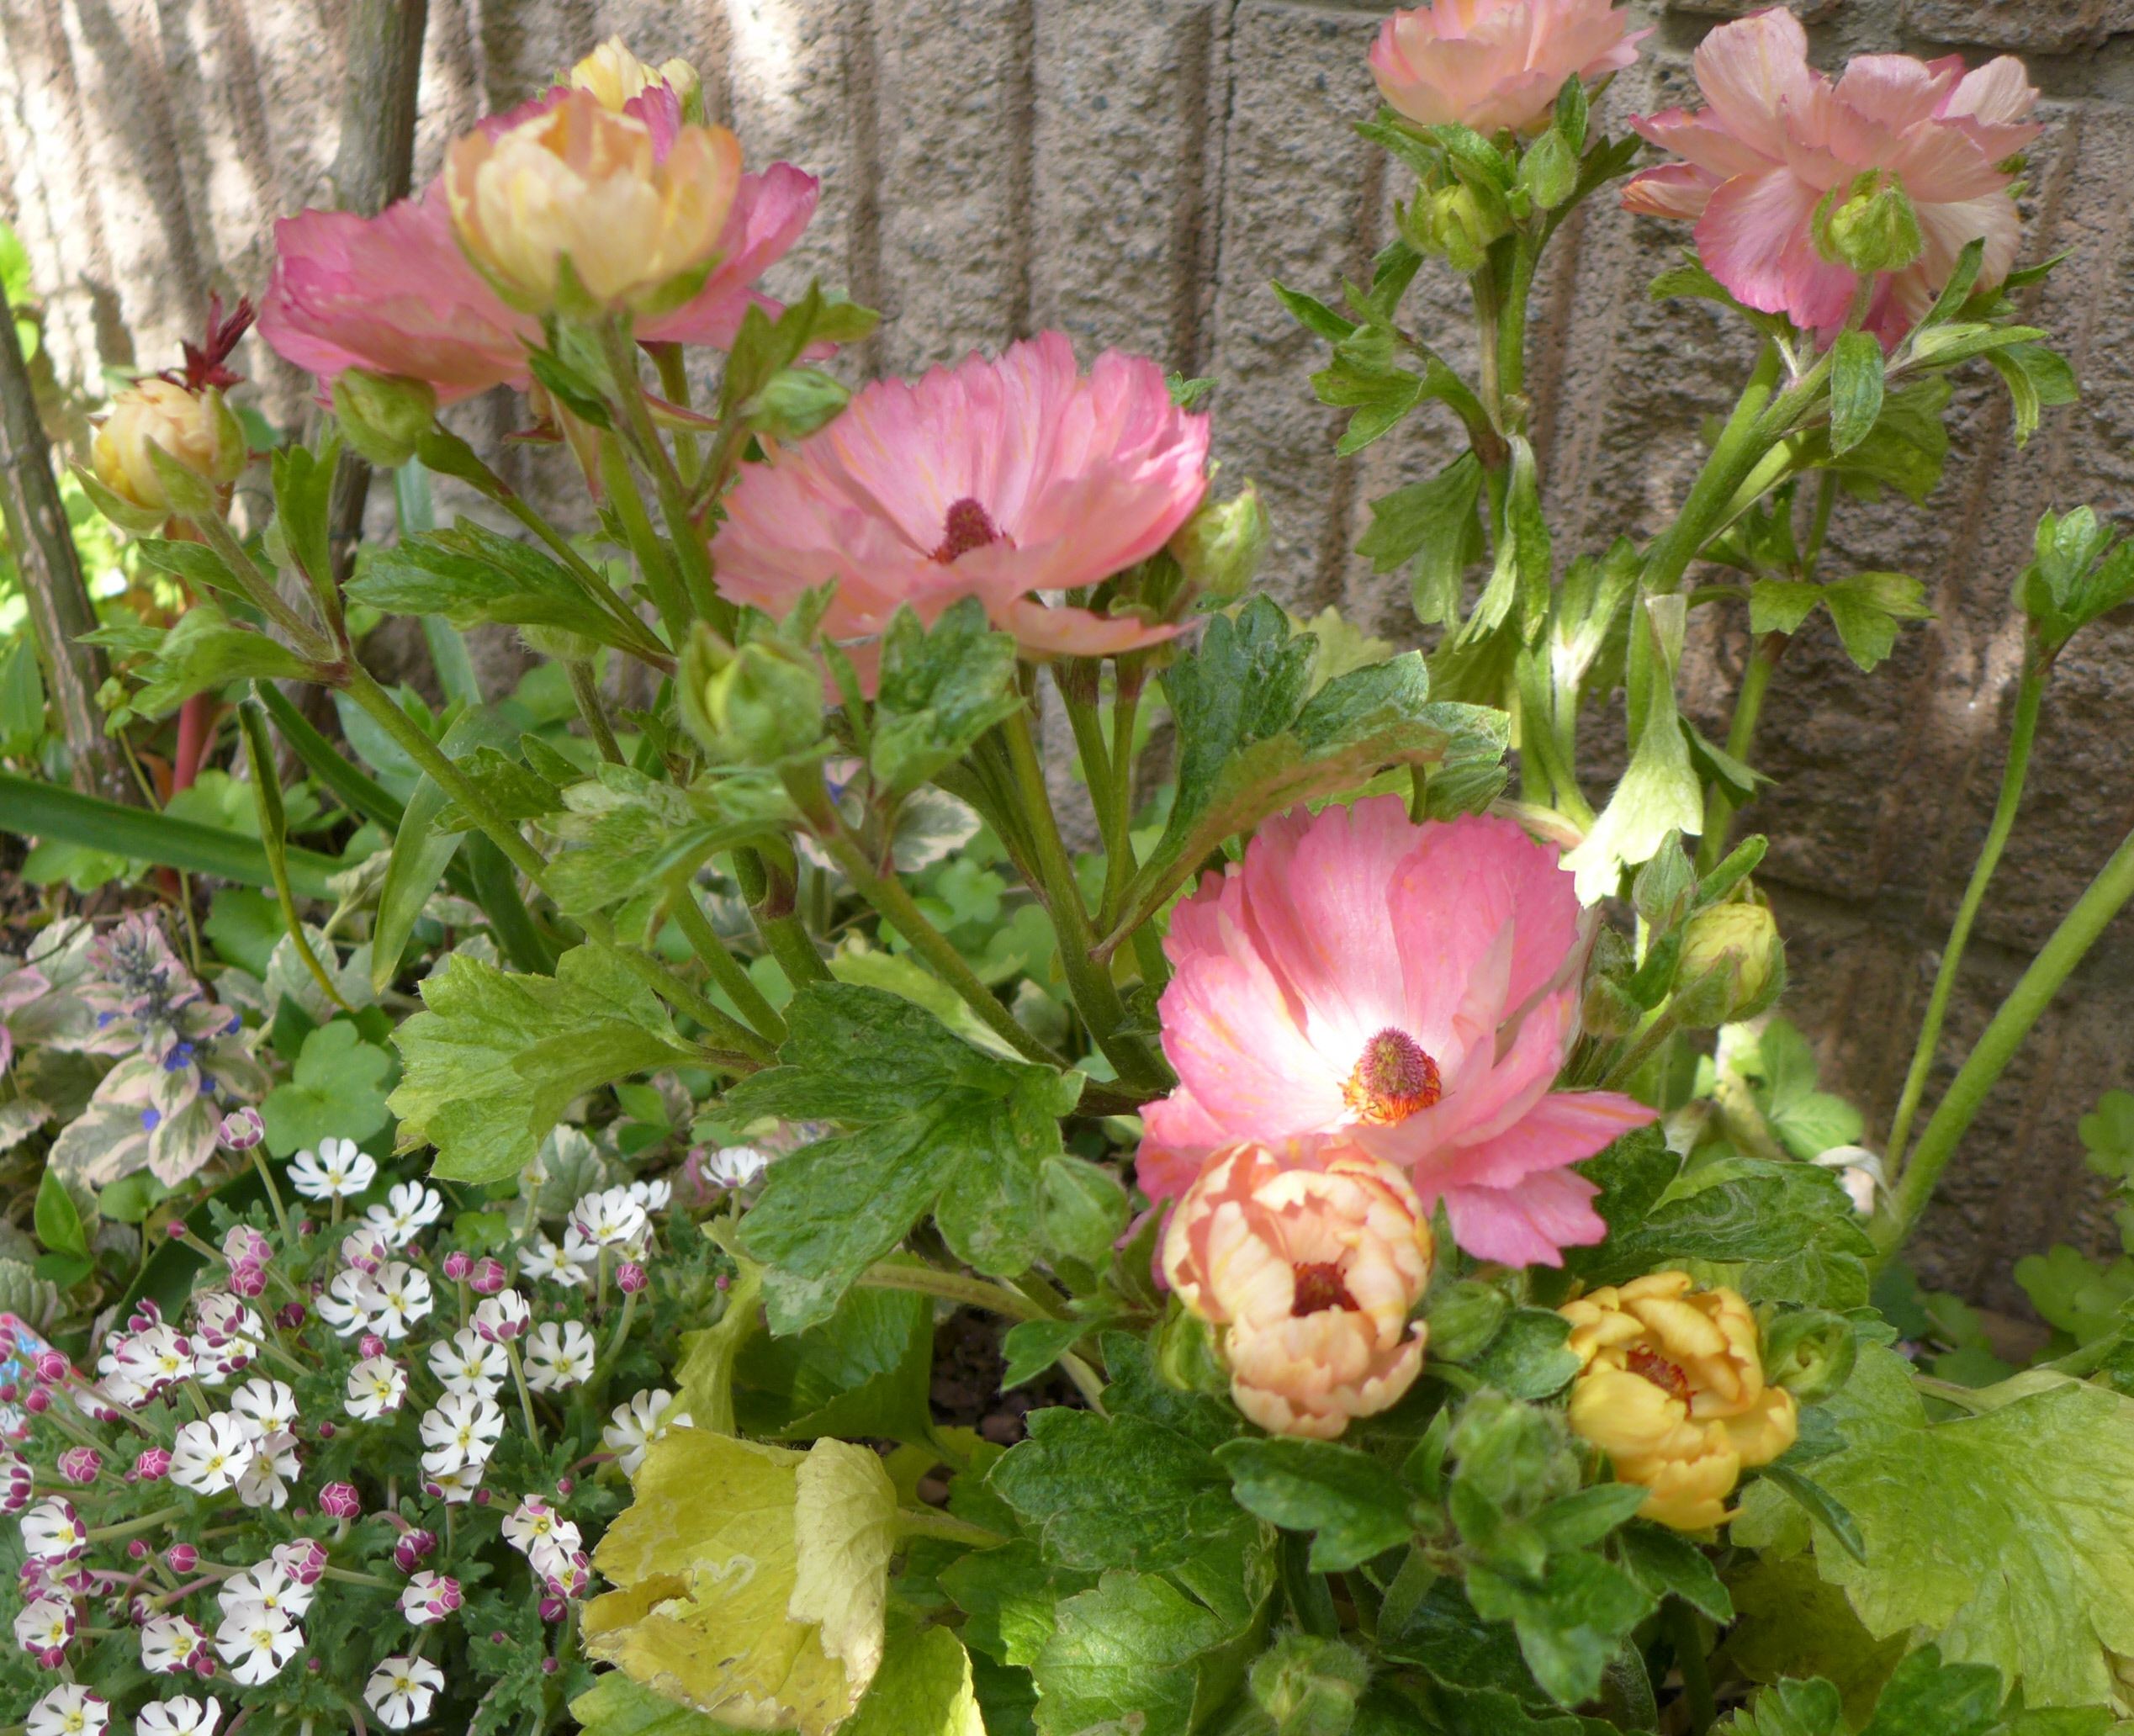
[923, 1688]
[941, 688]
[1131, 1650]
[336, 1090]
[623, 832]
[935, 1126]
[1354, 1506]
[205, 651]
[1126, 1493]
[491, 1063]
[1976, 1528]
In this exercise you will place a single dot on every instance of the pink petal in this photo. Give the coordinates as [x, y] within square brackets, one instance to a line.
[1530, 1226]
[1748, 69]
[1564, 1127]
[1896, 91]
[1754, 237]
[1701, 138]
[1043, 630]
[770, 211]
[1672, 190]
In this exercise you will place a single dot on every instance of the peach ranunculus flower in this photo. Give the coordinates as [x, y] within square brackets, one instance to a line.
[1779, 144]
[615, 76]
[394, 294]
[194, 426]
[1307, 1260]
[992, 480]
[576, 206]
[1673, 1391]
[1493, 64]
[1413, 988]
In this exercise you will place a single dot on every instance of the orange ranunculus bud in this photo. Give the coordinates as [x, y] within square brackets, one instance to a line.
[1673, 1391]
[1308, 1260]
[196, 428]
[614, 74]
[592, 211]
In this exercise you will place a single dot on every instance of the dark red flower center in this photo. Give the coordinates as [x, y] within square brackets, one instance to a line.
[1650, 1365]
[969, 527]
[1320, 1287]
[1394, 1079]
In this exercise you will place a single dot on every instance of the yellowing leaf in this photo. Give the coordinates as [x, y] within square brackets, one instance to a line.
[923, 1689]
[844, 1529]
[707, 1561]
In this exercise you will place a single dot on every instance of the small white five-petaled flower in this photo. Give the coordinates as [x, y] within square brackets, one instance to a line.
[400, 1691]
[337, 1171]
[559, 1356]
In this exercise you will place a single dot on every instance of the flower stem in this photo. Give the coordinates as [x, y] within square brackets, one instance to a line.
[887, 894]
[1731, 459]
[1095, 994]
[273, 1195]
[769, 889]
[525, 1397]
[349, 1576]
[1741, 737]
[1688, 1641]
[682, 532]
[2029, 694]
[586, 691]
[2026, 1002]
[128, 1528]
[951, 1287]
[725, 969]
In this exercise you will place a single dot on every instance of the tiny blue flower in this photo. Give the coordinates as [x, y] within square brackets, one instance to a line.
[150, 1120]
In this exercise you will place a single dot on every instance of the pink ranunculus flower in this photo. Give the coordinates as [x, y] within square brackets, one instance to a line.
[394, 294]
[1413, 988]
[993, 480]
[1492, 64]
[1777, 138]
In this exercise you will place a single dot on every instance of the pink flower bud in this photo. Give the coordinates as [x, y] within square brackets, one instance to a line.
[722, 1282]
[245, 1245]
[154, 1461]
[339, 1500]
[37, 1403]
[243, 1129]
[499, 1637]
[247, 1279]
[503, 1317]
[81, 1464]
[51, 1657]
[630, 1278]
[457, 1264]
[182, 1559]
[488, 1276]
[481, 1497]
[327, 1431]
[290, 1317]
[136, 1550]
[552, 1608]
[9, 1392]
[371, 1345]
[413, 1549]
[18, 1482]
[51, 1365]
[565, 1486]
[303, 1560]
[549, 1667]
[203, 1664]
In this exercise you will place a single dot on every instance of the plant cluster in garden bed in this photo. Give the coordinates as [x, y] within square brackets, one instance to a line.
[490, 1275]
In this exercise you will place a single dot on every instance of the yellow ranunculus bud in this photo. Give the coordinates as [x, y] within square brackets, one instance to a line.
[614, 74]
[579, 208]
[197, 429]
[1673, 1391]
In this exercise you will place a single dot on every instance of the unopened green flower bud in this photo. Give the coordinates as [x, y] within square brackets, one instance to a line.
[1188, 1357]
[1733, 965]
[753, 706]
[1310, 1687]
[1460, 229]
[1809, 1352]
[382, 414]
[1220, 548]
[1517, 1455]
[1464, 1318]
[1871, 227]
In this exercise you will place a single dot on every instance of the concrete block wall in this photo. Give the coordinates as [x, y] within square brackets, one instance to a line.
[1134, 172]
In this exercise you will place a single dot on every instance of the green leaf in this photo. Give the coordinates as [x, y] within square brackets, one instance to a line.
[1668, 1564]
[1123, 1493]
[1570, 1622]
[470, 574]
[1380, 395]
[494, 1059]
[1549, 169]
[1856, 388]
[623, 833]
[1948, 1699]
[862, 1373]
[1032, 1347]
[1976, 1529]
[421, 852]
[1781, 605]
[1788, 1622]
[615, 1706]
[1314, 315]
[1867, 608]
[1011, 1596]
[1123, 1658]
[1253, 739]
[1807, 1120]
[1907, 448]
[1435, 525]
[244, 926]
[1792, 1708]
[1582, 1518]
[1354, 1506]
[941, 688]
[2035, 376]
[1520, 579]
[207, 650]
[335, 1091]
[936, 1125]
[1528, 1357]
[923, 1688]
[57, 1220]
[2107, 1135]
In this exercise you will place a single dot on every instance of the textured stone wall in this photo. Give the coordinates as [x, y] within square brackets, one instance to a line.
[1134, 172]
